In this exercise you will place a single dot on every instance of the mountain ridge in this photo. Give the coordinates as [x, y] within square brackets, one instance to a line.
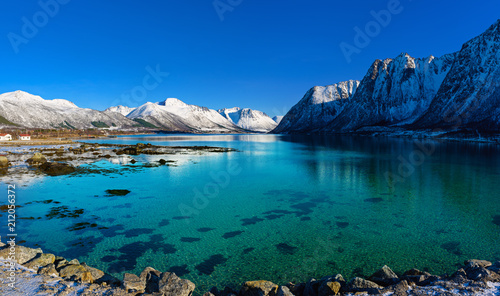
[456, 91]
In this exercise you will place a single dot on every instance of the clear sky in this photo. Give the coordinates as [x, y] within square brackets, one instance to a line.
[261, 54]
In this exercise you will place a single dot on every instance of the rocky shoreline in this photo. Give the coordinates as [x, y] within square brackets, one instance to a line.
[67, 159]
[27, 271]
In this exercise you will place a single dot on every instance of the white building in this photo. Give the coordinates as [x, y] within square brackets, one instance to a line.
[24, 137]
[5, 137]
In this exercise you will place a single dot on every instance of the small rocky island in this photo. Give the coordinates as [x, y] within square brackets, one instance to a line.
[38, 273]
[68, 159]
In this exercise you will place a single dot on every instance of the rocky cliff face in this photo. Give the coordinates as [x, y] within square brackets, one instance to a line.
[455, 91]
[319, 106]
[469, 97]
[393, 92]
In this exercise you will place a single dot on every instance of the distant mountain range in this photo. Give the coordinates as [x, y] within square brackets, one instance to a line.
[458, 91]
[26, 110]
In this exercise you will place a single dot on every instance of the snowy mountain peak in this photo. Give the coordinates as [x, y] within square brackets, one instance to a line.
[32, 111]
[173, 102]
[248, 119]
[123, 110]
[23, 97]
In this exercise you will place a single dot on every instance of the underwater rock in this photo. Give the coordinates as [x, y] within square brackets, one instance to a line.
[118, 192]
[57, 168]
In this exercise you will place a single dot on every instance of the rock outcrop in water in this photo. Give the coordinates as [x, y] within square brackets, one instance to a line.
[37, 272]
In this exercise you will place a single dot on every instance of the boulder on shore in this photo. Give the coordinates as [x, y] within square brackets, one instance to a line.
[132, 283]
[259, 288]
[42, 259]
[384, 277]
[76, 272]
[37, 159]
[4, 162]
[19, 253]
[358, 284]
[171, 285]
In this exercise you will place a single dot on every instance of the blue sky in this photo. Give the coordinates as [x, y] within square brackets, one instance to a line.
[250, 53]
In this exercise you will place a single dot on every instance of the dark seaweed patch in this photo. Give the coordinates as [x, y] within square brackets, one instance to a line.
[117, 192]
[374, 199]
[81, 247]
[138, 231]
[63, 212]
[278, 212]
[123, 206]
[164, 222]
[496, 220]
[81, 226]
[205, 229]
[45, 202]
[111, 231]
[453, 248]
[181, 217]
[179, 270]
[303, 208]
[251, 221]
[248, 250]
[305, 218]
[273, 216]
[232, 234]
[190, 239]
[286, 249]
[131, 252]
[108, 258]
[208, 266]
[342, 224]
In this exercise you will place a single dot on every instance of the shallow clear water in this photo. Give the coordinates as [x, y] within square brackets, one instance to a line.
[283, 208]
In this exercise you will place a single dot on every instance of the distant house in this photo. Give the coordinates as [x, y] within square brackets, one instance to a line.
[5, 137]
[24, 137]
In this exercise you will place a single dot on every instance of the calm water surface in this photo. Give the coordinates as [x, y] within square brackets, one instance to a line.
[283, 208]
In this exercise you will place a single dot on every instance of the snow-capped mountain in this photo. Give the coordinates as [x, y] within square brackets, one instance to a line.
[249, 119]
[175, 115]
[394, 91]
[278, 118]
[469, 97]
[32, 111]
[319, 106]
[123, 110]
[458, 90]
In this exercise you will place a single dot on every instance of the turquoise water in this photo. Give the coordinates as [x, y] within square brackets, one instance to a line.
[283, 208]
